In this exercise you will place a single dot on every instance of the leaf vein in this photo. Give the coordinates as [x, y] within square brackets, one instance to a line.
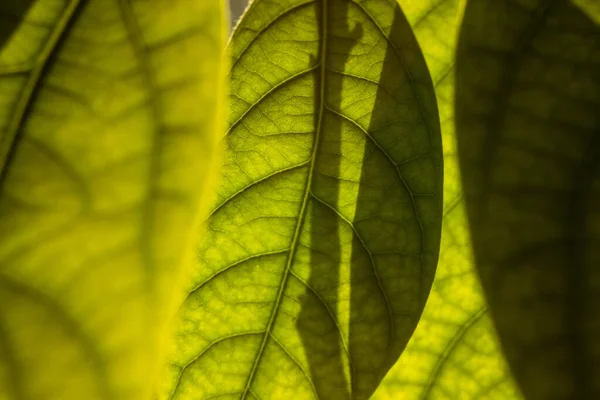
[302, 213]
[69, 324]
[8, 141]
[267, 93]
[291, 357]
[235, 264]
[335, 321]
[386, 300]
[391, 160]
[267, 26]
[184, 368]
[247, 187]
[411, 79]
[450, 347]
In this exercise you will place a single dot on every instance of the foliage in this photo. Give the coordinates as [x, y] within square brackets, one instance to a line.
[337, 256]
[453, 353]
[105, 162]
[323, 241]
[528, 128]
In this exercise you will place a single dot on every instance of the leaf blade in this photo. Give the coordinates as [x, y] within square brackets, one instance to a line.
[288, 83]
[545, 126]
[453, 352]
[100, 194]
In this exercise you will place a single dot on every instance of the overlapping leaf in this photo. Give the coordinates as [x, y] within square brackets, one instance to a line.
[324, 239]
[528, 90]
[108, 125]
[453, 353]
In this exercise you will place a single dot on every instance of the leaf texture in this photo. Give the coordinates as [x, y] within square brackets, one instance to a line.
[528, 95]
[109, 121]
[325, 235]
[453, 353]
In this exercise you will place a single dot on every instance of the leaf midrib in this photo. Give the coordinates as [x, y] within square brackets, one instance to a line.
[146, 223]
[301, 217]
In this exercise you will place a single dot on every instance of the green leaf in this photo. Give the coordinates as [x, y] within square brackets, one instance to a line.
[453, 353]
[528, 90]
[325, 234]
[109, 122]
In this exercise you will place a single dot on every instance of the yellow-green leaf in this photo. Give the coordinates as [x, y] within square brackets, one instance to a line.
[109, 119]
[453, 353]
[528, 125]
[325, 235]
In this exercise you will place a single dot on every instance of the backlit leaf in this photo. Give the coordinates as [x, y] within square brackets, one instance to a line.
[528, 124]
[453, 353]
[325, 235]
[108, 124]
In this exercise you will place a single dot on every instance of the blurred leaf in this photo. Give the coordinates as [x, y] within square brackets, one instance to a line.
[453, 353]
[528, 90]
[325, 237]
[108, 126]
[590, 7]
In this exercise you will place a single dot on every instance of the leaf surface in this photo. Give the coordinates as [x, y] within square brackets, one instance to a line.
[325, 235]
[453, 353]
[528, 95]
[109, 120]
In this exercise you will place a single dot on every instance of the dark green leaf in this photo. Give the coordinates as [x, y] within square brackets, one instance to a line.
[528, 125]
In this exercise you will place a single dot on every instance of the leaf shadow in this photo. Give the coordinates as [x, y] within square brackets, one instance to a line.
[326, 353]
[349, 286]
